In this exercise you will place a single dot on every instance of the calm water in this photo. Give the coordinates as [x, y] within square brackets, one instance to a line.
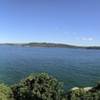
[75, 67]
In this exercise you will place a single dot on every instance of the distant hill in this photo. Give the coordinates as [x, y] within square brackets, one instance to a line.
[49, 45]
[93, 47]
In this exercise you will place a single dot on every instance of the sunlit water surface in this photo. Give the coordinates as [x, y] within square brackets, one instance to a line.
[74, 67]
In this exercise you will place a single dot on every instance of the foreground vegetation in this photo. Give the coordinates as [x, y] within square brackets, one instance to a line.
[42, 86]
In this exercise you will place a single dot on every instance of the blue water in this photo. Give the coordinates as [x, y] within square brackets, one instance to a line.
[74, 67]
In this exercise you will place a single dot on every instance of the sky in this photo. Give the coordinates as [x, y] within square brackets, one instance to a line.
[74, 22]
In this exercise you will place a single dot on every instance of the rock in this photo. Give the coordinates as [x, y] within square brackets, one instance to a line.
[75, 88]
[87, 88]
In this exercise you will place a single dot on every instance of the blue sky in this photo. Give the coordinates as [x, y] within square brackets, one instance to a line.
[61, 21]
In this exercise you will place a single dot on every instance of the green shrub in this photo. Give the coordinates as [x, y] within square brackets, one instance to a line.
[39, 86]
[5, 92]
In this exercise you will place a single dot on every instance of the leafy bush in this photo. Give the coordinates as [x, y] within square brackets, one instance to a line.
[39, 86]
[5, 92]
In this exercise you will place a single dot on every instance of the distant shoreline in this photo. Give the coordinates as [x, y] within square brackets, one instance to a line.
[50, 45]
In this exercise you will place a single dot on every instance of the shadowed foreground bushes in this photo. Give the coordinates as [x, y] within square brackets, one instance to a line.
[38, 87]
[42, 86]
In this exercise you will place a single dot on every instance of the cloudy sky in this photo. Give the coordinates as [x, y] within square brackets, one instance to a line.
[61, 21]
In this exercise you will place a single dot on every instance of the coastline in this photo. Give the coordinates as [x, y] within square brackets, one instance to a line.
[51, 45]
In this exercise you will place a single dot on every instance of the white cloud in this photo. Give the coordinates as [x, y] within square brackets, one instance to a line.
[87, 39]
